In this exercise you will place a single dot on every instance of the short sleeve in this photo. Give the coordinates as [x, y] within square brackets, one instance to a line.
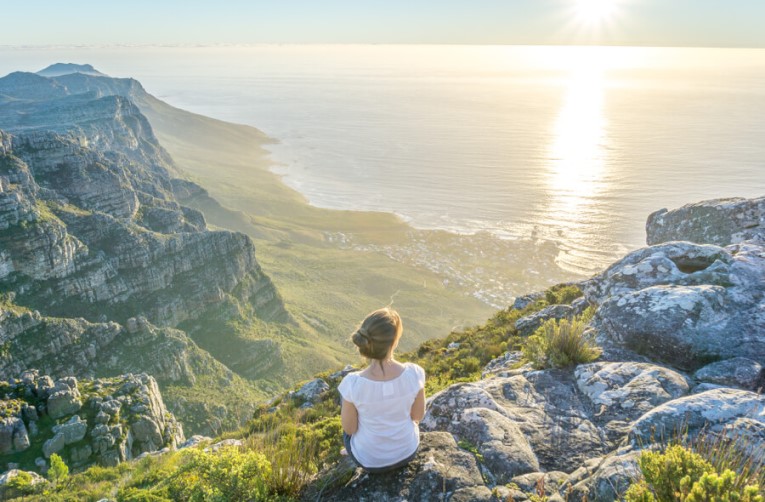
[346, 387]
[420, 376]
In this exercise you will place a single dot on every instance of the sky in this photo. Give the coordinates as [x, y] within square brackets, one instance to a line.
[707, 23]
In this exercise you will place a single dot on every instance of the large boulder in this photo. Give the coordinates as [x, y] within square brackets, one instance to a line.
[74, 430]
[713, 411]
[605, 480]
[682, 303]
[13, 435]
[506, 452]
[558, 424]
[737, 372]
[313, 390]
[64, 398]
[439, 471]
[632, 388]
[717, 221]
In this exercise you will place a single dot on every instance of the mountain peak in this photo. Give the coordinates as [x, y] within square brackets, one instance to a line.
[58, 69]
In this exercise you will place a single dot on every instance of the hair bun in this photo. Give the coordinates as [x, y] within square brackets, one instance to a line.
[361, 338]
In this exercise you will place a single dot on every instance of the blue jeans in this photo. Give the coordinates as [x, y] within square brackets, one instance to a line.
[375, 470]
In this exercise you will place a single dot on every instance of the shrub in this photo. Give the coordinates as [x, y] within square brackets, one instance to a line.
[679, 474]
[22, 483]
[58, 471]
[139, 495]
[562, 294]
[227, 475]
[561, 343]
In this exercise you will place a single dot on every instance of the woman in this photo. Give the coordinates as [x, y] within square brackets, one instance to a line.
[382, 404]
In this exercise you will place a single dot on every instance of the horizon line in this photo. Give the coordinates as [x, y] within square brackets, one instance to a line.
[356, 44]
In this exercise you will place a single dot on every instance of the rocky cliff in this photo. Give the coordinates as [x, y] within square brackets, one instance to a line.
[683, 332]
[100, 263]
[103, 421]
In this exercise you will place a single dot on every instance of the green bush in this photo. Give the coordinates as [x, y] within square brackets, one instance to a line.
[562, 294]
[58, 471]
[561, 343]
[22, 483]
[139, 495]
[228, 475]
[679, 474]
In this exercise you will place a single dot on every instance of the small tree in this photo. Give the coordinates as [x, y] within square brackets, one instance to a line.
[58, 469]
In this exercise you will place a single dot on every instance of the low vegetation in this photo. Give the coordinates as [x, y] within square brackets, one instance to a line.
[562, 343]
[682, 475]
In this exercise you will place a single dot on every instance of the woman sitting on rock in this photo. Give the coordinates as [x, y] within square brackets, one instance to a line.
[382, 404]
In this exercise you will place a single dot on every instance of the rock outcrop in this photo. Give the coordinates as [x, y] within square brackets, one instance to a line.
[102, 421]
[682, 324]
[720, 221]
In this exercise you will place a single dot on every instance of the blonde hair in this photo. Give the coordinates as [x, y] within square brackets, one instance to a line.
[378, 333]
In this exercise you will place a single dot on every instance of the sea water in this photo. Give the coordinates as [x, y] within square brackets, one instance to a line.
[571, 144]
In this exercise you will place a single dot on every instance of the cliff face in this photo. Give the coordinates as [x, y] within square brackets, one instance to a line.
[99, 260]
[91, 226]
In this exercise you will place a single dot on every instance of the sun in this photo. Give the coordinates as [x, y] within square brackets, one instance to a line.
[595, 12]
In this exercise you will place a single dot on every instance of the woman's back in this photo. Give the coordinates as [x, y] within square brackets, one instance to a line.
[386, 432]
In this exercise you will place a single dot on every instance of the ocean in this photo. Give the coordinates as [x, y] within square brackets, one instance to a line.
[576, 145]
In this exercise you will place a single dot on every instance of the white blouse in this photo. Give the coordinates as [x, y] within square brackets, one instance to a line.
[386, 434]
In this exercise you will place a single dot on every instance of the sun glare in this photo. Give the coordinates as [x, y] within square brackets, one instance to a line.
[595, 11]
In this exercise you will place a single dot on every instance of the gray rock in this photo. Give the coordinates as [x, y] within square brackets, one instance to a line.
[14, 437]
[610, 480]
[553, 481]
[194, 441]
[312, 390]
[439, 471]
[628, 390]
[682, 303]
[44, 385]
[677, 263]
[29, 413]
[524, 301]
[226, 443]
[337, 375]
[545, 405]
[503, 364]
[713, 410]
[527, 325]
[737, 372]
[81, 455]
[64, 400]
[146, 430]
[506, 452]
[74, 430]
[472, 494]
[717, 221]
[41, 464]
[54, 445]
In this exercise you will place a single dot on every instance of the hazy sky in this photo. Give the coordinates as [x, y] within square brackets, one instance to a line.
[633, 22]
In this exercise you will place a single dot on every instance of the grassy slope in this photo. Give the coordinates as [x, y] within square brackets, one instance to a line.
[327, 289]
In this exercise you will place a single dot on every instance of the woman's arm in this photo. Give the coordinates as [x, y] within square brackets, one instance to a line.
[418, 407]
[349, 417]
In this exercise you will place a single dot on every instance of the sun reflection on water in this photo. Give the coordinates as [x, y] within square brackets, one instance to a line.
[577, 154]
